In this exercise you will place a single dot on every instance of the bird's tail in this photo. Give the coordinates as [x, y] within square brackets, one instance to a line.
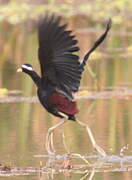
[97, 43]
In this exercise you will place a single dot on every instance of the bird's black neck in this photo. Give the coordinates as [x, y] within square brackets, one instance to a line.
[35, 77]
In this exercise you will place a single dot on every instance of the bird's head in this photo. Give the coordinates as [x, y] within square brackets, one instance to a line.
[27, 68]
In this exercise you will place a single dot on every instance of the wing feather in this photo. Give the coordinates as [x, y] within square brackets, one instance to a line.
[57, 61]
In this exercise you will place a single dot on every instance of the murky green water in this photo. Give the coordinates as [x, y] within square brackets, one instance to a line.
[24, 123]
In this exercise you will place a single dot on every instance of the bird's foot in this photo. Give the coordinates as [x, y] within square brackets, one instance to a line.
[100, 151]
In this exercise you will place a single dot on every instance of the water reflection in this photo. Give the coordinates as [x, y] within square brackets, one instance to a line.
[54, 167]
[24, 123]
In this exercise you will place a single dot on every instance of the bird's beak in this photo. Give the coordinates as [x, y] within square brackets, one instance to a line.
[19, 70]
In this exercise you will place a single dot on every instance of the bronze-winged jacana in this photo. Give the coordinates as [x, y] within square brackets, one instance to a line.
[61, 72]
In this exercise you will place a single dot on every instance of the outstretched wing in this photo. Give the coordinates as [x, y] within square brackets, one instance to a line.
[98, 42]
[59, 64]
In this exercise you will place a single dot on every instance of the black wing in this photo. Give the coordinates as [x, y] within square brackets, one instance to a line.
[98, 42]
[56, 47]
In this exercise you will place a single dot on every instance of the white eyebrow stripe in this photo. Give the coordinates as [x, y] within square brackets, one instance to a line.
[27, 67]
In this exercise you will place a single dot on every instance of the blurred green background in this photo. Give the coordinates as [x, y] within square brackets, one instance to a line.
[23, 121]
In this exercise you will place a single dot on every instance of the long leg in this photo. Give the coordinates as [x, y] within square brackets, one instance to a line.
[91, 175]
[49, 137]
[95, 145]
[64, 143]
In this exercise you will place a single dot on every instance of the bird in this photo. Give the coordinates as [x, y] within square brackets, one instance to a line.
[61, 69]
